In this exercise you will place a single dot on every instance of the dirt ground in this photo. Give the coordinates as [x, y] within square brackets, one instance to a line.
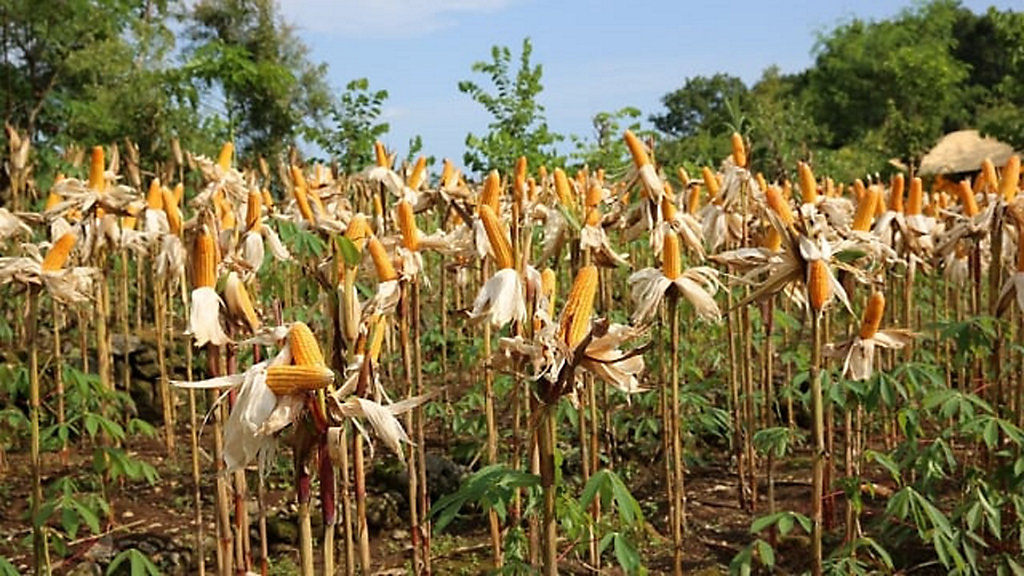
[159, 520]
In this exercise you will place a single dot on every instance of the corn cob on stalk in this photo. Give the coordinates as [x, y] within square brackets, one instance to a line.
[872, 315]
[382, 261]
[59, 252]
[288, 380]
[498, 237]
[407, 226]
[305, 349]
[575, 321]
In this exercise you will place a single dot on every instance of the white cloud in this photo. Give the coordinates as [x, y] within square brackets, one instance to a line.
[382, 18]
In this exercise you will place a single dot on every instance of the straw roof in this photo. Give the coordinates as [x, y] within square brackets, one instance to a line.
[964, 151]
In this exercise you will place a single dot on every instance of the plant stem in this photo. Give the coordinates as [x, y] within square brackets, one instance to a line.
[546, 447]
[679, 488]
[818, 480]
[40, 547]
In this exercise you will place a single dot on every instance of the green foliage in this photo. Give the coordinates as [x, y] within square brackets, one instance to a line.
[6, 568]
[245, 52]
[138, 562]
[518, 127]
[356, 126]
[608, 150]
[491, 488]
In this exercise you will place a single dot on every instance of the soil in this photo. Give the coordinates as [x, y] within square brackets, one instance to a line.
[159, 519]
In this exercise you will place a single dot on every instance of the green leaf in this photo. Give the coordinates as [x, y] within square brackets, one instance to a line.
[627, 555]
[765, 552]
[348, 251]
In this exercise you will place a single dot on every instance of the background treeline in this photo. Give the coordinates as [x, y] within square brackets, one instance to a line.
[153, 71]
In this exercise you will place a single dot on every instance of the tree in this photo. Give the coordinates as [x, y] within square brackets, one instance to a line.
[518, 127]
[243, 52]
[701, 105]
[781, 128]
[608, 150]
[92, 72]
[356, 126]
[899, 77]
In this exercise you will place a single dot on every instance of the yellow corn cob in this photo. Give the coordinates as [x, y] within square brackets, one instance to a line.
[562, 189]
[896, 193]
[808, 185]
[448, 174]
[671, 259]
[129, 222]
[531, 189]
[819, 289]
[1011, 179]
[228, 221]
[224, 158]
[880, 202]
[154, 197]
[636, 149]
[787, 190]
[268, 201]
[773, 196]
[419, 172]
[171, 208]
[684, 177]
[967, 198]
[599, 176]
[739, 151]
[542, 173]
[498, 237]
[204, 264]
[548, 283]
[264, 168]
[830, 188]
[51, 200]
[773, 239]
[593, 217]
[381, 154]
[305, 349]
[693, 206]
[668, 207]
[382, 261]
[858, 189]
[872, 315]
[520, 172]
[866, 210]
[288, 380]
[575, 321]
[407, 226]
[986, 178]
[358, 231]
[254, 210]
[179, 194]
[711, 181]
[59, 252]
[761, 182]
[299, 192]
[239, 303]
[491, 193]
[97, 165]
[594, 195]
[915, 198]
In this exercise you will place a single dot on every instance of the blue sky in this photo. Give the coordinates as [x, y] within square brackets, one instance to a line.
[596, 56]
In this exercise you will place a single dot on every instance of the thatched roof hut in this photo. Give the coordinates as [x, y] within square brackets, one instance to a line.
[963, 151]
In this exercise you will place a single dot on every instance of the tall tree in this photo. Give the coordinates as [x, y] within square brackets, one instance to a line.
[356, 125]
[897, 77]
[246, 54]
[518, 127]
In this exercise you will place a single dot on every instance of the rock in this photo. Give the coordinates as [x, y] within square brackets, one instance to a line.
[384, 511]
[86, 568]
[282, 529]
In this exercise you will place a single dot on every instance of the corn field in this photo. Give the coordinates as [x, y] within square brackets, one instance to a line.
[646, 372]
